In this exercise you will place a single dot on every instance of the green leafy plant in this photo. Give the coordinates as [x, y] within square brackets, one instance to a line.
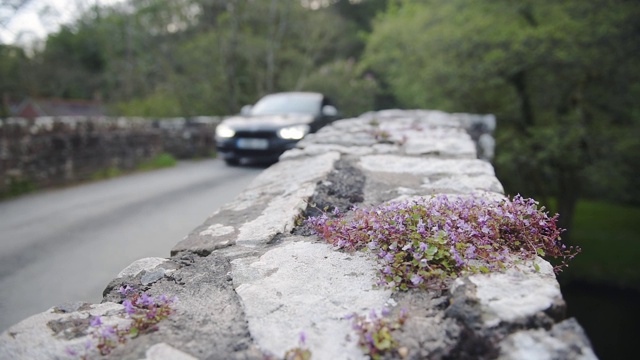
[301, 352]
[145, 313]
[375, 332]
[425, 243]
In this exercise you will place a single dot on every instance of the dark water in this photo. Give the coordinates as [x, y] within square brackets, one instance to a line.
[609, 315]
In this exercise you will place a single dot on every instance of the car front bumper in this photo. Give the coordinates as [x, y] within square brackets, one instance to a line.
[235, 148]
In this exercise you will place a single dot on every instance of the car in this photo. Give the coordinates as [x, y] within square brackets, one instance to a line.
[262, 132]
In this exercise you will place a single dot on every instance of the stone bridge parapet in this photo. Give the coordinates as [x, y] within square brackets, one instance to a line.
[51, 151]
[252, 277]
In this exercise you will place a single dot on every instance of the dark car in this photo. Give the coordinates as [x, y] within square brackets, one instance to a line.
[273, 125]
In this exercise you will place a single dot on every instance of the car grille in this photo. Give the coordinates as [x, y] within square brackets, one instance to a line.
[256, 134]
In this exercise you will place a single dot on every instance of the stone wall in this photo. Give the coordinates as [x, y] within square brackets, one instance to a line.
[252, 277]
[49, 151]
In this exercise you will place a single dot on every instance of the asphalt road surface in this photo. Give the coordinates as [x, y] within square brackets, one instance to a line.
[67, 244]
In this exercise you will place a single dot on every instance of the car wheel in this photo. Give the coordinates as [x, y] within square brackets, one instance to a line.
[232, 161]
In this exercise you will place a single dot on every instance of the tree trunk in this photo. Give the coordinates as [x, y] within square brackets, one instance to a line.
[519, 82]
[277, 27]
[231, 59]
[569, 192]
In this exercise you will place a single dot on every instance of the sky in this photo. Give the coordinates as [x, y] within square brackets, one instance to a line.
[40, 17]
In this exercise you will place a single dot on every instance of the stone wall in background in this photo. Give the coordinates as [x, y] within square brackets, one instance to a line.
[253, 277]
[51, 151]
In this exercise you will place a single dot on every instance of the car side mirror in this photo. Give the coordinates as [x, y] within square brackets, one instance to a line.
[246, 110]
[329, 110]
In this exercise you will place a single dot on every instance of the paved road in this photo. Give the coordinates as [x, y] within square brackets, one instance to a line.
[67, 244]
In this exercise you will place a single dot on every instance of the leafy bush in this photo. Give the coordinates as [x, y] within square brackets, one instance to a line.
[161, 103]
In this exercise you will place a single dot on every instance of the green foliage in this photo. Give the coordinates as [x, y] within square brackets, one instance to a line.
[158, 104]
[14, 69]
[375, 332]
[73, 61]
[106, 173]
[160, 161]
[18, 187]
[163, 160]
[426, 242]
[298, 353]
[144, 312]
[560, 76]
[354, 92]
[608, 236]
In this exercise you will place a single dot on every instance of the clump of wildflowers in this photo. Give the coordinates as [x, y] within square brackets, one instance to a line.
[375, 336]
[145, 313]
[422, 243]
[301, 352]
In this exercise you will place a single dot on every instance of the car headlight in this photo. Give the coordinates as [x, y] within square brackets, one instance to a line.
[224, 131]
[293, 132]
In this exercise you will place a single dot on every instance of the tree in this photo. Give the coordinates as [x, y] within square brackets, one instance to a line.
[560, 76]
[14, 69]
[353, 91]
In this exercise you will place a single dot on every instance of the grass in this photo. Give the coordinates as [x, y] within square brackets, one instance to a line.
[18, 187]
[107, 173]
[21, 187]
[163, 160]
[609, 235]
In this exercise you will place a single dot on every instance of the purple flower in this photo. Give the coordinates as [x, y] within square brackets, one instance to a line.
[373, 315]
[386, 312]
[145, 300]
[96, 321]
[470, 253]
[128, 307]
[456, 257]
[349, 316]
[152, 313]
[416, 279]
[473, 223]
[108, 332]
[303, 338]
[421, 227]
[369, 339]
[126, 290]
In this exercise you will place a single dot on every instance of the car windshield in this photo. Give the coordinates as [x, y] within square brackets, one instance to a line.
[288, 104]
